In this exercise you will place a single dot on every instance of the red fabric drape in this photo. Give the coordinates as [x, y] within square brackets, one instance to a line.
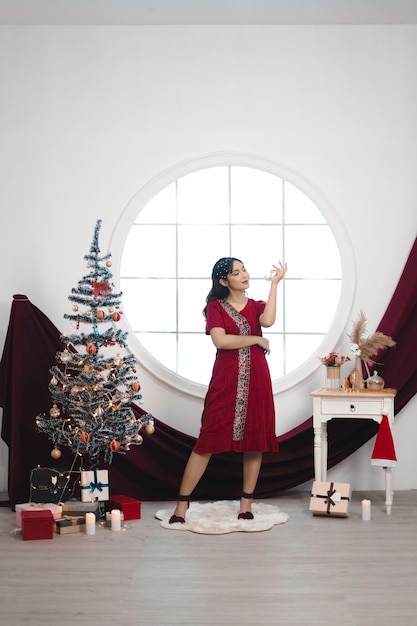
[153, 471]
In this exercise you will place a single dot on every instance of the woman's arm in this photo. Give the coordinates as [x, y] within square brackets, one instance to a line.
[222, 341]
[267, 318]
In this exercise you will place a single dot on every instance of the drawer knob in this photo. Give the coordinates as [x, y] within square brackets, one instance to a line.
[352, 408]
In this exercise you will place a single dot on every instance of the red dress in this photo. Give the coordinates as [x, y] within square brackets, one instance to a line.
[239, 412]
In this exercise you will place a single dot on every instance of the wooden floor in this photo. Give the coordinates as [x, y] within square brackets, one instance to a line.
[309, 571]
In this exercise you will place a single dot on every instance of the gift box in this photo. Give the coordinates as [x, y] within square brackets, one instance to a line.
[108, 518]
[330, 499]
[94, 485]
[37, 524]
[129, 506]
[56, 509]
[69, 524]
[48, 485]
[76, 508]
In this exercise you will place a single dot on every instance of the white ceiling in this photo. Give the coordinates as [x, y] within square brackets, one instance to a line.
[159, 12]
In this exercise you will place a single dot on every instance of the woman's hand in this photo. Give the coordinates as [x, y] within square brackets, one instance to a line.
[264, 344]
[278, 272]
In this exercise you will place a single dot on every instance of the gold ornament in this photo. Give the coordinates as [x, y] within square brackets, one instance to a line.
[149, 429]
[56, 453]
[54, 412]
[109, 263]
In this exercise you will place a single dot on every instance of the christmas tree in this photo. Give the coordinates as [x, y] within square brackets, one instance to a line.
[94, 382]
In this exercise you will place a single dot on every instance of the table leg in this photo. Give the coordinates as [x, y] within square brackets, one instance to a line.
[388, 490]
[317, 454]
[324, 451]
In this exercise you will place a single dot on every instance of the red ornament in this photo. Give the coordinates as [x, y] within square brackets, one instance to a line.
[85, 437]
[102, 288]
[100, 314]
[135, 387]
[114, 445]
[91, 348]
[116, 317]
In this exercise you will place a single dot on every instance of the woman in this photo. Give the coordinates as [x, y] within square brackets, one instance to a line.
[238, 413]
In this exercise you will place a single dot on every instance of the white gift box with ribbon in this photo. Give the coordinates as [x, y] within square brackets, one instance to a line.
[94, 485]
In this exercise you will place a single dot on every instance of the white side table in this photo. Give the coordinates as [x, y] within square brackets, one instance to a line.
[332, 404]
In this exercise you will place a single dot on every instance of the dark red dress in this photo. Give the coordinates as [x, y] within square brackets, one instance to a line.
[239, 412]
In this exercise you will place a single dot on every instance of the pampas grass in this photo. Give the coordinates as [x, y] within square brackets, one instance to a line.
[368, 346]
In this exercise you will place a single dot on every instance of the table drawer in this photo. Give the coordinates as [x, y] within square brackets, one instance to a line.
[330, 406]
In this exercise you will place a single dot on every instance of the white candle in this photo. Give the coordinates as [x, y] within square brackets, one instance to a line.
[116, 523]
[90, 524]
[366, 510]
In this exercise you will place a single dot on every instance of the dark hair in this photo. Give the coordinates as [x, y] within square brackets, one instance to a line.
[222, 268]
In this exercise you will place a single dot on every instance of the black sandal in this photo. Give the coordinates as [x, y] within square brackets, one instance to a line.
[247, 514]
[174, 519]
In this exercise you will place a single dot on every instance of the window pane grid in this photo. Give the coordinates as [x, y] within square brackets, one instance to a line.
[265, 220]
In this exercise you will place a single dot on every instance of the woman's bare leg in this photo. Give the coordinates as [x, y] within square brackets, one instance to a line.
[252, 462]
[195, 468]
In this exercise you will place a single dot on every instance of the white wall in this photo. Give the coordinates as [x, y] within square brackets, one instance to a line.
[89, 115]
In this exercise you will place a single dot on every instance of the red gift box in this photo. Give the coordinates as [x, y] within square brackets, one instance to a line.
[129, 506]
[37, 524]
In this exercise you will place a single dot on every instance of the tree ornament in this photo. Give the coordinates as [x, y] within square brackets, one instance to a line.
[149, 429]
[56, 453]
[100, 288]
[65, 356]
[75, 308]
[115, 317]
[54, 380]
[138, 439]
[135, 387]
[109, 263]
[100, 314]
[54, 412]
[91, 348]
[114, 445]
[84, 437]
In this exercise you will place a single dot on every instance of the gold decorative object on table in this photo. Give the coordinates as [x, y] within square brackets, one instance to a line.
[364, 349]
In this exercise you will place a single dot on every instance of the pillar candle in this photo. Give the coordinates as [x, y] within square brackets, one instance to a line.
[90, 524]
[366, 510]
[115, 518]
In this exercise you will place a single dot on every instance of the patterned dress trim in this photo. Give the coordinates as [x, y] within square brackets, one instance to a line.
[243, 377]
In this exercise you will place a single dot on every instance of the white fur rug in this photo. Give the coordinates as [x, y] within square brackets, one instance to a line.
[219, 518]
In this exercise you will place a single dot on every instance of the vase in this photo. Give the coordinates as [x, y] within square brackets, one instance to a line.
[333, 377]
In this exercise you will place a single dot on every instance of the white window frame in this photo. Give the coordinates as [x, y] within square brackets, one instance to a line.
[348, 283]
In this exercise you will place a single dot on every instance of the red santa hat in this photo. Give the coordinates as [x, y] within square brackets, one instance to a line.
[384, 451]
